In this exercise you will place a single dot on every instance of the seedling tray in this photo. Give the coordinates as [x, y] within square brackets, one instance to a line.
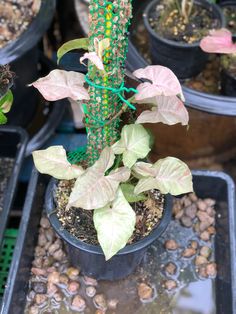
[216, 185]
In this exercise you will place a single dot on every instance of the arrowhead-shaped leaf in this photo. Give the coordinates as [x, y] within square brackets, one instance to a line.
[81, 43]
[6, 102]
[94, 189]
[134, 144]
[59, 84]
[114, 224]
[168, 110]
[53, 161]
[163, 82]
[130, 196]
[169, 175]
[94, 58]
[3, 118]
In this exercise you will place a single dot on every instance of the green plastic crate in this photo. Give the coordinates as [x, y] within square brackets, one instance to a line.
[6, 254]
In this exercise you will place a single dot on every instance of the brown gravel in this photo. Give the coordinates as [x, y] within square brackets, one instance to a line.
[15, 16]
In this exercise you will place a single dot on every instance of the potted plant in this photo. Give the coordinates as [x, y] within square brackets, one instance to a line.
[229, 11]
[109, 186]
[6, 97]
[221, 41]
[175, 29]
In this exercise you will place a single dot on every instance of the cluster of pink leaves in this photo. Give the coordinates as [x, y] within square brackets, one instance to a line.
[218, 41]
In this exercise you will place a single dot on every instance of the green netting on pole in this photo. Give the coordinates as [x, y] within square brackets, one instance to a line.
[108, 19]
[6, 253]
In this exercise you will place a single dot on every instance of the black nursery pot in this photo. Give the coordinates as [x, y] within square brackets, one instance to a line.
[185, 60]
[91, 259]
[23, 56]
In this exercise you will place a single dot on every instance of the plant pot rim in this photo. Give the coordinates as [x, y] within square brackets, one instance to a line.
[29, 37]
[95, 249]
[172, 42]
[230, 3]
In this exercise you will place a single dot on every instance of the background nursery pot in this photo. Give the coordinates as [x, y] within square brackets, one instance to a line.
[213, 113]
[23, 56]
[228, 84]
[91, 259]
[184, 59]
[229, 5]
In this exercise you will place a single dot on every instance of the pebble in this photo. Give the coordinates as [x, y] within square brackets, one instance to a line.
[188, 252]
[73, 287]
[73, 273]
[34, 309]
[145, 292]
[194, 244]
[44, 223]
[90, 281]
[210, 202]
[51, 288]
[78, 303]
[191, 211]
[211, 269]
[112, 304]
[57, 297]
[193, 197]
[63, 279]
[202, 272]
[59, 255]
[205, 251]
[179, 214]
[204, 217]
[100, 302]
[170, 268]
[54, 277]
[205, 236]
[40, 299]
[38, 271]
[186, 221]
[54, 247]
[200, 260]
[100, 311]
[170, 284]
[49, 234]
[39, 287]
[90, 291]
[211, 230]
[42, 240]
[202, 205]
[171, 245]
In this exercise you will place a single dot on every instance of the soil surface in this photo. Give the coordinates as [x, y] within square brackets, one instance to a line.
[6, 79]
[15, 16]
[6, 166]
[79, 222]
[167, 21]
[180, 264]
[230, 14]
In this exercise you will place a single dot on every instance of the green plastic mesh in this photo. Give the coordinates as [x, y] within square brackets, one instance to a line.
[6, 253]
[107, 20]
[78, 155]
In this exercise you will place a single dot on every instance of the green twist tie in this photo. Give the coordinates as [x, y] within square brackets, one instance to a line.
[117, 91]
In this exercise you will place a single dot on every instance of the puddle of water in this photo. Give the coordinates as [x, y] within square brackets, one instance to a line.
[193, 295]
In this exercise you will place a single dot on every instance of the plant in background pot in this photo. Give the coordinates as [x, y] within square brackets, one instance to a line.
[6, 97]
[221, 41]
[109, 205]
[175, 29]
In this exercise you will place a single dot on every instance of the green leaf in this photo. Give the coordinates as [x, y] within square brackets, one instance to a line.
[94, 189]
[169, 175]
[114, 224]
[134, 144]
[53, 161]
[3, 118]
[131, 197]
[81, 43]
[6, 102]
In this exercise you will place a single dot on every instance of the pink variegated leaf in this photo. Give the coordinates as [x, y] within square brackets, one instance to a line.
[59, 84]
[163, 82]
[168, 110]
[218, 41]
[94, 58]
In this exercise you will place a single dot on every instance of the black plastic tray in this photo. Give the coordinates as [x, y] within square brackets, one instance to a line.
[216, 185]
[13, 141]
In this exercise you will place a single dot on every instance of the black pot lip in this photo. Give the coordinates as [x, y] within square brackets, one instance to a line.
[174, 43]
[30, 36]
[230, 3]
[67, 237]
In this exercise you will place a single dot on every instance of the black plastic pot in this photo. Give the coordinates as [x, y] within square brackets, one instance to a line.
[91, 259]
[12, 144]
[23, 56]
[215, 185]
[185, 60]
